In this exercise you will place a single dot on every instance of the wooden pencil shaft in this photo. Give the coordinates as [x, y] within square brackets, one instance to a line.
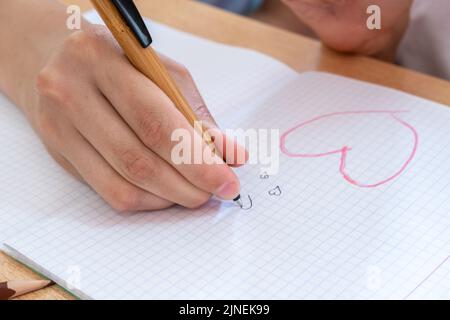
[145, 60]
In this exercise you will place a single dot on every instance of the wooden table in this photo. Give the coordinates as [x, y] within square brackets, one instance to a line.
[301, 53]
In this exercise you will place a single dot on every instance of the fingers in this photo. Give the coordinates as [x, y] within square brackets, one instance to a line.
[153, 117]
[121, 194]
[232, 152]
[114, 189]
[111, 126]
[79, 158]
[106, 131]
[64, 163]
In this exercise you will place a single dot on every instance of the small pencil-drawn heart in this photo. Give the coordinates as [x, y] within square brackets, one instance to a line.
[275, 192]
[264, 176]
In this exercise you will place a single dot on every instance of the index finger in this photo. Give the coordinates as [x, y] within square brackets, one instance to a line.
[232, 152]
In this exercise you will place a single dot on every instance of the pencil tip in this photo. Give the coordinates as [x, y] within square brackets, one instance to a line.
[238, 200]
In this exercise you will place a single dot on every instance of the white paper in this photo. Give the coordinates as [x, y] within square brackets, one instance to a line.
[371, 221]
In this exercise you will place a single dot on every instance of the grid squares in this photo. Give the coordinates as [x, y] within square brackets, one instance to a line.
[320, 239]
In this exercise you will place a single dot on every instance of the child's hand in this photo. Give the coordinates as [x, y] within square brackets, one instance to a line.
[341, 24]
[106, 123]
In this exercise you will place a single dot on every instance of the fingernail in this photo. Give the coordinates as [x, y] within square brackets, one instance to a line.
[235, 154]
[227, 191]
[241, 156]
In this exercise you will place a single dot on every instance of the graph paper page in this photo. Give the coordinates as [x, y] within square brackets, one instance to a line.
[360, 206]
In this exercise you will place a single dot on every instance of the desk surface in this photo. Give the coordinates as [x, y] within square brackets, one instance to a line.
[301, 53]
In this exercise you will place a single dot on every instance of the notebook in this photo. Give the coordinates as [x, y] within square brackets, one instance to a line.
[359, 207]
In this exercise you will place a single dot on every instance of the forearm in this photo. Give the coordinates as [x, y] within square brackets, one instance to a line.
[29, 31]
[342, 24]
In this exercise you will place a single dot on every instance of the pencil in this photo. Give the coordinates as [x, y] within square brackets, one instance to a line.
[127, 26]
[135, 42]
[15, 288]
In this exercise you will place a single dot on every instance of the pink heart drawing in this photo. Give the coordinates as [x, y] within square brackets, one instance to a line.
[344, 150]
